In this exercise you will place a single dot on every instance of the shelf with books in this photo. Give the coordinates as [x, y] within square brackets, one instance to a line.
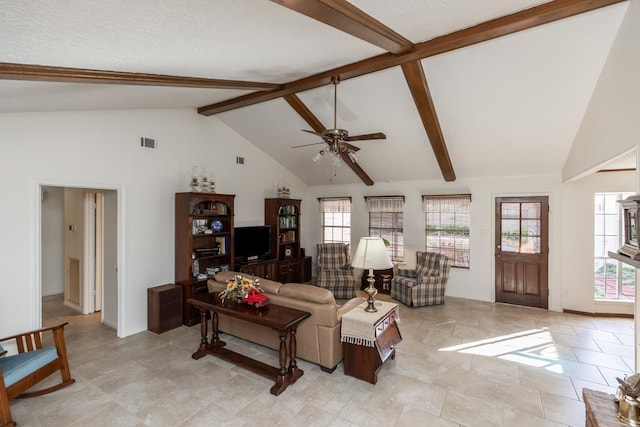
[283, 215]
[204, 232]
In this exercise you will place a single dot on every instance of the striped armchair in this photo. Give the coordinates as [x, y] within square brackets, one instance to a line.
[334, 270]
[426, 284]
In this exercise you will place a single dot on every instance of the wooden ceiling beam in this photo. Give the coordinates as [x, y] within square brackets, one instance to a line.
[346, 17]
[10, 71]
[304, 112]
[414, 74]
[525, 19]
[315, 123]
[356, 168]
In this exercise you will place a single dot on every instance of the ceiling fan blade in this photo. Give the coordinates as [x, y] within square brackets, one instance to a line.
[378, 135]
[349, 146]
[313, 132]
[356, 168]
[307, 145]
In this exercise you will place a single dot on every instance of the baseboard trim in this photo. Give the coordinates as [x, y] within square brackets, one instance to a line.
[585, 313]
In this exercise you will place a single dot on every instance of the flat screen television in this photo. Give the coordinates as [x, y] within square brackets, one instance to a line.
[252, 243]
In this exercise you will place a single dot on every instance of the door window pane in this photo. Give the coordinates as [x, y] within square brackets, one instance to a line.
[511, 210]
[531, 210]
[530, 228]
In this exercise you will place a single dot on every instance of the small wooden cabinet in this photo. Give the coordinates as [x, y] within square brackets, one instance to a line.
[289, 270]
[364, 362]
[306, 268]
[204, 242]
[191, 288]
[164, 308]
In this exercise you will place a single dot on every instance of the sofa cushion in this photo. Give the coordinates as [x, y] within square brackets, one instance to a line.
[307, 293]
[18, 366]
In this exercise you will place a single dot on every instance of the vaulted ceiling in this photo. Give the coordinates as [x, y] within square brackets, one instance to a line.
[460, 88]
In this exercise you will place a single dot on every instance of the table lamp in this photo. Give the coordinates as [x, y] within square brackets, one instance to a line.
[371, 254]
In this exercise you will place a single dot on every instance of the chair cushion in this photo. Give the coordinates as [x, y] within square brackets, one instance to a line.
[18, 366]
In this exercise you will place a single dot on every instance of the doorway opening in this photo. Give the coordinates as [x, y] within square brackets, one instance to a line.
[78, 251]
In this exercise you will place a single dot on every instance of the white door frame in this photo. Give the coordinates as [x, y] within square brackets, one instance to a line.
[36, 282]
[92, 292]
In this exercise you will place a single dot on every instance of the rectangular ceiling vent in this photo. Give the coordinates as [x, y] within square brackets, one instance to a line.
[240, 160]
[148, 143]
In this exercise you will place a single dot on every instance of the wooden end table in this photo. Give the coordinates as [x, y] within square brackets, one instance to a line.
[369, 340]
[284, 320]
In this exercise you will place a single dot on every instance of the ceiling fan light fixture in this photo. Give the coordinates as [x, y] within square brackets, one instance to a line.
[352, 155]
[335, 159]
[318, 156]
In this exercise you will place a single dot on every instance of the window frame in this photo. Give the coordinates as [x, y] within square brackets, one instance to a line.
[604, 259]
[461, 253]
[339, 200]
[386, 208]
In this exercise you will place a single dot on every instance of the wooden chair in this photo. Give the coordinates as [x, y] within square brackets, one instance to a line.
[33, 363]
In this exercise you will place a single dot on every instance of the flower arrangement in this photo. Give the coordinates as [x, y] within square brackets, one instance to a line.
[239, 287]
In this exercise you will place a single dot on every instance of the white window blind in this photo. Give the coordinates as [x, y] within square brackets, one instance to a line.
[386, 220]
[447, 221]
[336, 220]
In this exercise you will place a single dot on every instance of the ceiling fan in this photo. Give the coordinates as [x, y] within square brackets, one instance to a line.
[338, 139]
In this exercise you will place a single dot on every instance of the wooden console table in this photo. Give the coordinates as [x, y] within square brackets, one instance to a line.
[369, 339]
[284, 320]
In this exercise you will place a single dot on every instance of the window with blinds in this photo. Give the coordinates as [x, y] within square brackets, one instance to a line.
[447, 220]
[336, 220]
[386, 220]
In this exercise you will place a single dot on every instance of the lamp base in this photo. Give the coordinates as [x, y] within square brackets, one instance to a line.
[371, 292]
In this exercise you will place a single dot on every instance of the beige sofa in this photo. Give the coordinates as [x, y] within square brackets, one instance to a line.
[318, 336]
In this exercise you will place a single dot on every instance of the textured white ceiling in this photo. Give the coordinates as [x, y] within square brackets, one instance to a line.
[508, 106]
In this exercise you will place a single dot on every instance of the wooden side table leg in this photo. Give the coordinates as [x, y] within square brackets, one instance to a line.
[294, 371]
[282, 379]
[202, 349]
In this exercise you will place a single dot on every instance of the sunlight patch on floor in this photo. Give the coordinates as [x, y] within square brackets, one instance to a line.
[534, 347]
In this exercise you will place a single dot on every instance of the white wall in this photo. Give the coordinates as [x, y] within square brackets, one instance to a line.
[578, 242]
[52, 241]
[100, 149]
[610, 126]
[477, 282]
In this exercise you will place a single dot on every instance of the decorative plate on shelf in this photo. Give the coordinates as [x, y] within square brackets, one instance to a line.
[216, 225]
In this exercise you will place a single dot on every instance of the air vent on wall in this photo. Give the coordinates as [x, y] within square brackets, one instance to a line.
[148, 143]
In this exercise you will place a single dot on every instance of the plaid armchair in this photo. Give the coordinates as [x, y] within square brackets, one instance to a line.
[426, 284]
[334, 270]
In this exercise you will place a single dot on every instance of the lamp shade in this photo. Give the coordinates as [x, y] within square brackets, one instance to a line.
[371, 254]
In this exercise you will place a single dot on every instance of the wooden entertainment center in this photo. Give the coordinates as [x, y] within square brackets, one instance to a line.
[204, 240]
[286, 263]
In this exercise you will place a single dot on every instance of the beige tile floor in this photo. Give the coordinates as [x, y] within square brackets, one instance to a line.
[465, 363]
